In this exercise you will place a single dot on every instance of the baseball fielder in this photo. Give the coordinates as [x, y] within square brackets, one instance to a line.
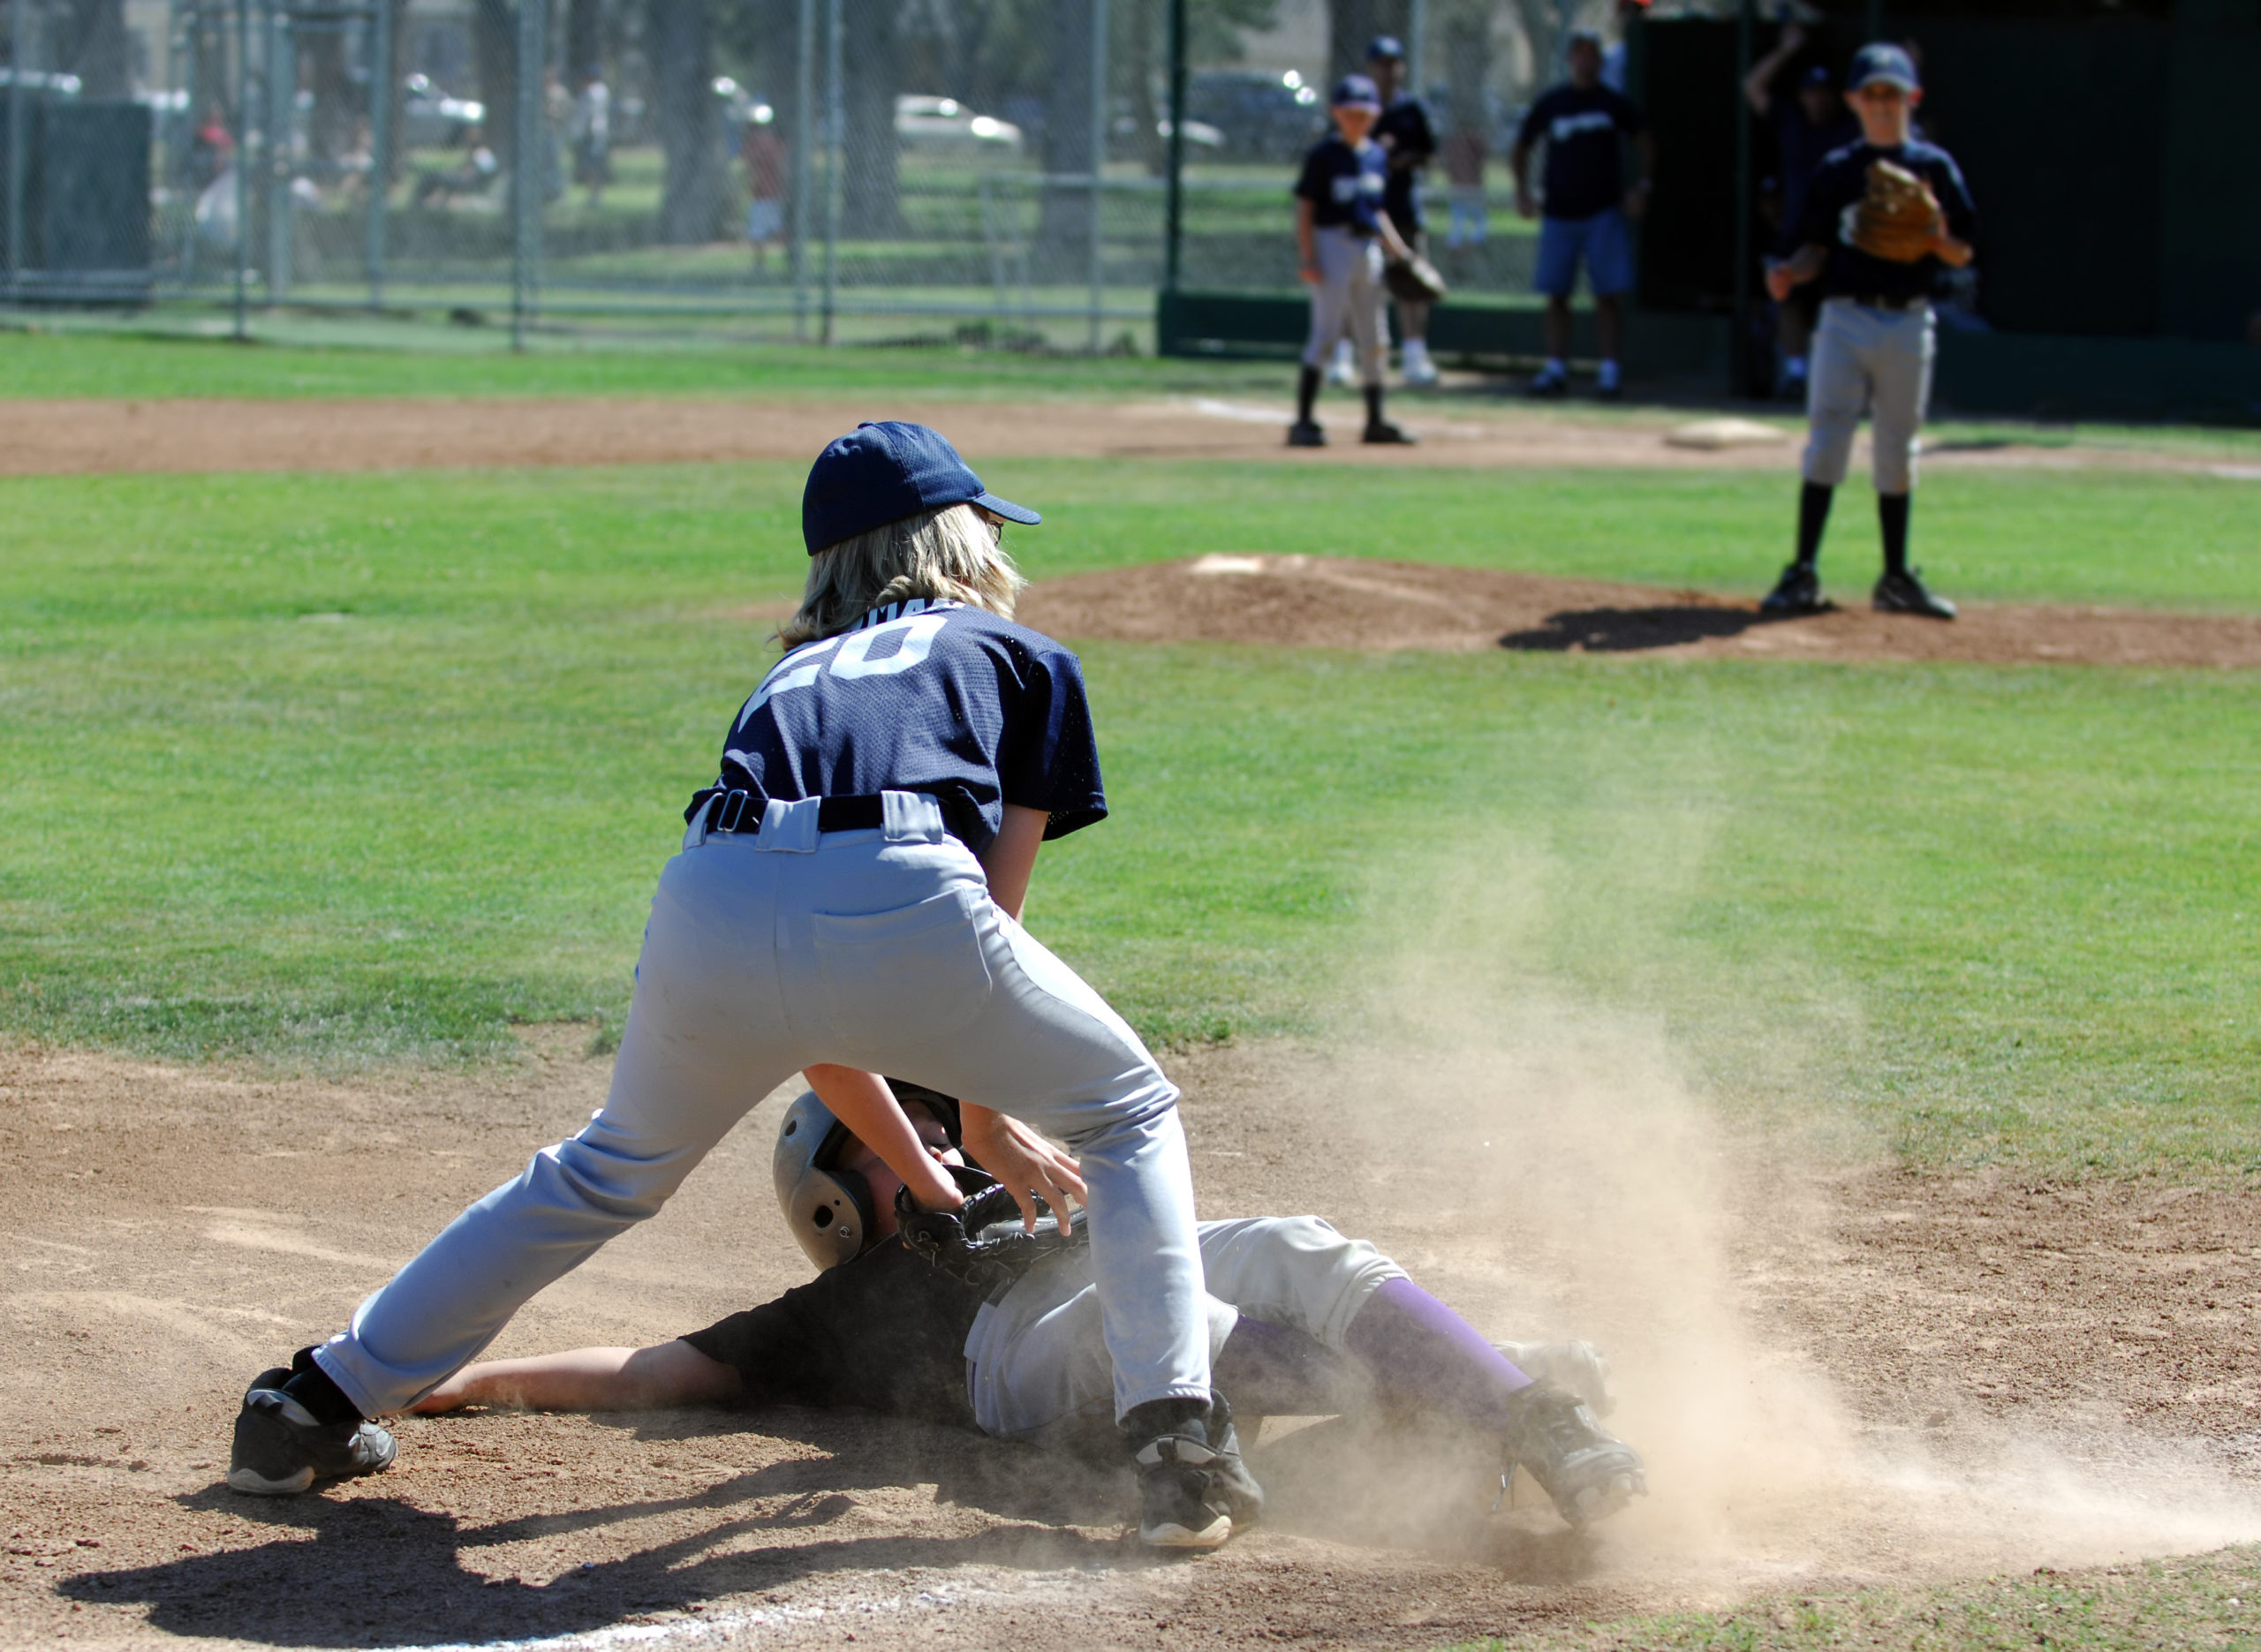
[1302, 1322]
[845, 904]
[1410, 143]
[1342, 234]
[1884, 218]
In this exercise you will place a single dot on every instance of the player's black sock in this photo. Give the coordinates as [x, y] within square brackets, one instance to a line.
[1306, 393]
[1892, 516]
[311, 1387]
[1813, 517]
[1373, 404]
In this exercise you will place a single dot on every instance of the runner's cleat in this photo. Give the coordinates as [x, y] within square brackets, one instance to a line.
[1193, 1488]
[1589, 1472]
[281, 1450]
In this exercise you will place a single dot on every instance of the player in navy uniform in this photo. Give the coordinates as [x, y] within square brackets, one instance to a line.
[845, 904]
[1303, 1321]
[1406, 137]
[1589, 209]
[1341, 236]
[1873, 347]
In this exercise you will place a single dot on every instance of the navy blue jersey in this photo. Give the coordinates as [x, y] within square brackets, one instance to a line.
[927, 696]
[1344, 186]
[1406, 137]
[1836, 190]
[1585, 171]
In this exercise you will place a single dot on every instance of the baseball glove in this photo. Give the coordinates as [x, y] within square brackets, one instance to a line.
[981, 1243]
[1898, 218]
[1415, 280]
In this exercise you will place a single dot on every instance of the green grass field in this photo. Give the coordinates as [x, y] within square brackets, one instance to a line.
[418, 742]
[324, 772]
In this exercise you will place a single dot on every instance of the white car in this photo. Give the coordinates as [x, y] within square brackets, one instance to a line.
[945, 124]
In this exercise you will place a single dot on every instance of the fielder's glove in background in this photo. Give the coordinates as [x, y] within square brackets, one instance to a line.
[981, 1243]
[1415, 281]
[1898, 219]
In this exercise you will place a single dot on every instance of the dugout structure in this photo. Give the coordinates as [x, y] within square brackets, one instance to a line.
[2112, 154]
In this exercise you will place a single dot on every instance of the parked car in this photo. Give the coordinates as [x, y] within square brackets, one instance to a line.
[944, 125]
[431, 119]
[38, 80]
[1123, 143]
[1260, 114]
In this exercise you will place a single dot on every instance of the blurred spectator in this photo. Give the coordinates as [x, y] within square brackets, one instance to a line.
[212, 148]
[765, 183]
[474, 177]
[1807, 123]
[1464, 156]
[1589, 209]
[1614, 60]
[590, 128]
[1405, 135]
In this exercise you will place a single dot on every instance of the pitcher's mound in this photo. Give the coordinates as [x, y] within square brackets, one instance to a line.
[1354, 602]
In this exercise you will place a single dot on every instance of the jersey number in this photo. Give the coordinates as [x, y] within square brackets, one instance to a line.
[850, 657]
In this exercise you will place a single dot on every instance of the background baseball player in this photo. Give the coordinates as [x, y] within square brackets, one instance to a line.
[1807, 120]
[1342, 235]
[1884, 219]
[844, 904]
[1589, 209]
[1406, 137]
[1303, 1321]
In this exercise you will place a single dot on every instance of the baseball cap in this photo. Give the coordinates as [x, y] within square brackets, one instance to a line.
[1584, 37]
[1386, 48]
[1356, 91]
[879, 473]
[1819, 75]
[1882, 62]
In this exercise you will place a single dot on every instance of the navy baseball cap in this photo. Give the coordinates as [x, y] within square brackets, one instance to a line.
[1356, 91]
[879, 473]
[1386, 48]
[1882, 62]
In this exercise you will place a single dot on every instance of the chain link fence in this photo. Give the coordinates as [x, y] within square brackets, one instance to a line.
[830, 169]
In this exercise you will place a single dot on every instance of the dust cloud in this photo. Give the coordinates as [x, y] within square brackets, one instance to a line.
[1560, 1166]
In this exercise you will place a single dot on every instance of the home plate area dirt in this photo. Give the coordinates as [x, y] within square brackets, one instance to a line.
[1357, 603]
[1884, 1379]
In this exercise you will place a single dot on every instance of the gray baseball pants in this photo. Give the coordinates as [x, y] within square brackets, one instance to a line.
[767, 953]
[1873, 361]
[1348, 299]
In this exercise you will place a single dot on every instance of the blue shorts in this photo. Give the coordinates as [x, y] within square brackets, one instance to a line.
[1604, 241]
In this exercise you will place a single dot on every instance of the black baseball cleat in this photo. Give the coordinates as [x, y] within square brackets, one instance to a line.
[1589, 1472]
[1608, 392]
[1907, 593]
[1797, 591]
[1306, 432]
[281, 1450]
[1382, 433]
[1551, 387]
[1193, 1488]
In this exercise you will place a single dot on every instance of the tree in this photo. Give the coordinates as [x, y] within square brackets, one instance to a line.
[92, 43]
[871, 77]
[694, 195]
[1350, 24]
[495, 50]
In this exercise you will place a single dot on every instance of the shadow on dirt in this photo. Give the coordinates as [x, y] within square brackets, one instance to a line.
[1629, 630]
[353, 1566]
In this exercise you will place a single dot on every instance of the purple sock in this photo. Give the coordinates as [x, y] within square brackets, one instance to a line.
[1422, 1354]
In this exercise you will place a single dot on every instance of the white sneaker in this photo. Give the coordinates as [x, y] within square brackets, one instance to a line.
[1420, 371]
[1345, 370]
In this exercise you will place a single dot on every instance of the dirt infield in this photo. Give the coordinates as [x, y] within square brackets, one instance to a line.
[1345, 602]
[71, 437]
[1889, 1378]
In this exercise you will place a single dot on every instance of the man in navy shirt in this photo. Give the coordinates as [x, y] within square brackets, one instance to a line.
[1341, 235]
[1808, 122]
[1589, 209]
[1873, 348]
[1406, 137]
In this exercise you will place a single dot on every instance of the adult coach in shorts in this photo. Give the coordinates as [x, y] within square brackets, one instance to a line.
[1303, 1321]
[1342, 234]
[1409, 142]
[1589, 209]
[844, 905]
[1873, 349]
